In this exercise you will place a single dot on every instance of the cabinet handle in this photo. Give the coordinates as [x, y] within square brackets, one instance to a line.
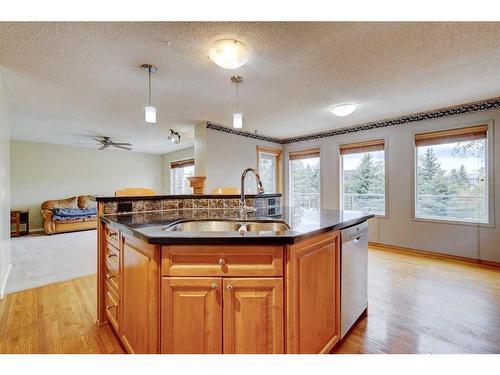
[109, 307]
[109, 277]
[213, 286]
[111, 234]
[222, 261]
[111, 255]
[229, 287]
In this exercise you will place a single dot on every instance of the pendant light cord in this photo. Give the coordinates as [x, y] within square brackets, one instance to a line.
[149, 93]
[237, 99]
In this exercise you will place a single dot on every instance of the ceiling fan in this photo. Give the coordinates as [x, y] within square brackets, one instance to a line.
[107, 142]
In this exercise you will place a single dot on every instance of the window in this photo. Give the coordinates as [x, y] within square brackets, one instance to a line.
[451, 180]
[304, 191]
[179, 172]
[268, 165]
[363, 176]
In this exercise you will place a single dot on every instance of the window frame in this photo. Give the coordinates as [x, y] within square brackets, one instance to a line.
[490, 177]
[290, 174]
[386, 173]
[178, 164]
[278, 153]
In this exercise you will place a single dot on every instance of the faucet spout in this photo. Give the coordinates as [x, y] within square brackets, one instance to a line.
[260, 190]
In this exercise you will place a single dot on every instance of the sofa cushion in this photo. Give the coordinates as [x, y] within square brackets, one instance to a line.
[84, 201]
[61, 203]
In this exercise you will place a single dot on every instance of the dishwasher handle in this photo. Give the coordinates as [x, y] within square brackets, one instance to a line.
[354, 233]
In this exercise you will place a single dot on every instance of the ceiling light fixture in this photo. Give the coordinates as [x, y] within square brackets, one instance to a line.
[237, 116]
[175, 138]
[229, 53]
[149, 110]
[342, 110]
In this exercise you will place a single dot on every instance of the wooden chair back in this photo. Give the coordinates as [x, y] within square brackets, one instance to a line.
[225, 190]
[135, 191]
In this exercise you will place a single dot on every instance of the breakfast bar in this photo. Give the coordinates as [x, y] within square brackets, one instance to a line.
[211, 280]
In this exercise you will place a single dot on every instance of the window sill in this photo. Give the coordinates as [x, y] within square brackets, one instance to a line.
[453, 222]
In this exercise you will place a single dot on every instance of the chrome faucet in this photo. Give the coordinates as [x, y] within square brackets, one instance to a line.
[244, 209]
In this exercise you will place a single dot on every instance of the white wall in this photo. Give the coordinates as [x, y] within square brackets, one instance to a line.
[186, 153]
[4, 189]
[399, 228]
[42, 171]
[227, 156]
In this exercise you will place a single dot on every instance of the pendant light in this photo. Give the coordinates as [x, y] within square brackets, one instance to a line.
[237, 116]
[149, 110]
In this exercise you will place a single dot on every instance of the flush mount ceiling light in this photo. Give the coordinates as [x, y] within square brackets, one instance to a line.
[229, 53]
[237, 116]
[149, 110]
[175, 138]
[342, 110]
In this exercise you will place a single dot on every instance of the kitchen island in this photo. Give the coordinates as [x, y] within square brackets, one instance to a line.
[211, 281]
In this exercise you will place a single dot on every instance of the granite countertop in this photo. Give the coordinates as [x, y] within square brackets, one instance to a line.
[149, 226]
[184, 196]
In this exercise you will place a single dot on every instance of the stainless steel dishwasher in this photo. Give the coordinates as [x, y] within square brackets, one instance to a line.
[354, 281]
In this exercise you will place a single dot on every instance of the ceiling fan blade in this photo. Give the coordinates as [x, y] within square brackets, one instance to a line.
[122, 144]
[103, 147]
[100, 140]
[122, 147]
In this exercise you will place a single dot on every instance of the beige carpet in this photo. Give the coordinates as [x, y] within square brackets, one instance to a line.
[39, 259]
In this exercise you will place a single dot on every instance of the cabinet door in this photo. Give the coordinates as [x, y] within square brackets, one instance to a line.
[253, 315]
[191, 320]
[140, 287]
[313, 294]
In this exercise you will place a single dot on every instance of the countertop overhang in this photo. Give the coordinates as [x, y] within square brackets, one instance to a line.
[150, 226]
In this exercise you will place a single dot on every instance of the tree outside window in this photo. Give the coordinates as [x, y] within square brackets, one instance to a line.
[363, 177]
[451, 181]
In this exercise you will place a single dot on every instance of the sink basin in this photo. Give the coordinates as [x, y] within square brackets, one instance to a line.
[228, 226]
[274, 226]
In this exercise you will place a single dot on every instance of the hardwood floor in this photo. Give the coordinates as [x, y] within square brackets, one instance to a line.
[57, 318]
[424, 305]
[416, 305]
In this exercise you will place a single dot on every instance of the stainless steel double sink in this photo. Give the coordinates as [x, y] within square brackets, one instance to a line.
[228, 226]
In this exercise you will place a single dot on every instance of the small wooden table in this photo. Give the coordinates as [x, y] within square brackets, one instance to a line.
[17, 218]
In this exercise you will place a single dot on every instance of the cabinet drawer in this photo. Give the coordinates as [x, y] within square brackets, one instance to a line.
[112, 253]
[244, 260]
[112, 307]
[112, 275]
[112, 235]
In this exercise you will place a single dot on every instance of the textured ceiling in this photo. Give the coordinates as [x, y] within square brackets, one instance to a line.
[70, 80]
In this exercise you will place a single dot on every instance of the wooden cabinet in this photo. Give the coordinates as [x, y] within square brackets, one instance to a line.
[191, 319]
[313, 294]
[227, 260]
[220, 298]
[140, 295]
[200, 313]
[253, 315]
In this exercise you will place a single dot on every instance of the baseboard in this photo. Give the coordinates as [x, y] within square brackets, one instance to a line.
[4, 283]
[36, 230]
[434, 254]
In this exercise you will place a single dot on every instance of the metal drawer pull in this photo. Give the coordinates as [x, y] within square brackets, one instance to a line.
[109, 277]
[111, 234]
[213, 286]
[109, 307]
[111, 255]
[229, 287]
[222, 261]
